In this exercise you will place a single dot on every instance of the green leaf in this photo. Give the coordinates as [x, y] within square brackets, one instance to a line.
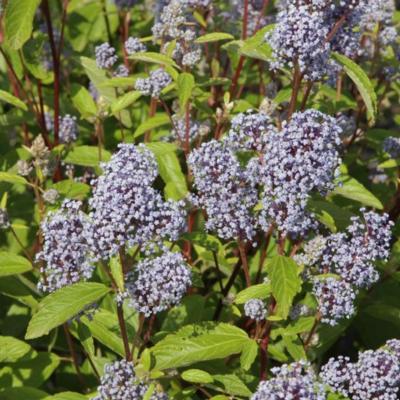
[18, 21]
[12, 264]
[233, 385]
[257, 47]
[285, 282]
[62, 305]
[87, 156]
[23, 393]
[33, 372]
[351, 189]
[214, 37]
[12, 178]
[68, 396]
[363, 83]
[201, 342]
[72, 189]
[155, 58]
[249, 355]
[10, 99]
[125, 101]
[197, 376]
[185, 86]
[295, 347]
[260, 291]
[13, 350]
[83, 101]
[117, 272]
[12, 287]
[158, 120]
[170, 171]
[104, 327]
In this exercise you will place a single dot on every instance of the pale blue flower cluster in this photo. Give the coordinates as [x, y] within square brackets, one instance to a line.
[255, 309]
[68, 131]
[106, 56]
[152, 86]
[158, 283]
[376, 374]
[119, 382]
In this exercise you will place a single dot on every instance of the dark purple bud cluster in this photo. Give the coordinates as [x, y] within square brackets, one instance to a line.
[158, 283]
[119, 382]
[291, 381]
[226, 191]
[66, 250]
[392, 146]
[126, 209]
[376, 374]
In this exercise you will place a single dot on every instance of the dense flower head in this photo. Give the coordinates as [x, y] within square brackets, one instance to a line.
[119, 382]
[300, 37]
[335, 299]
[376, 375]
[392, 146]
[173, 26]
[377, 12]
[158, 283]
[134, 45]
[66, 251]
[301, 159]
[152, 86]
[121, 71]
[105, 56]
[225, 190]
[179, 129]
[291, 381]
[352, 254]
[68, 132]
[126, 209]
[255, 309]
[249, 131]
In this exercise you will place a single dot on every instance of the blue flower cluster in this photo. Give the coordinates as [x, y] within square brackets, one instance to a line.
[66, 250]
[226, 191]
[152, 86]
[106, 56]
[255, 309]
[158, 283]
[291, 381]
[126, 209]
[119, 382]
[68, 132]
[376, 374]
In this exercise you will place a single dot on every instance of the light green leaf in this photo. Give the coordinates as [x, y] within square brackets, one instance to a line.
[260, 291]
[13, 264]
[351, 189]
[72, 189]
[197, 376]
[257, 47]
[170, 171]
[155, 58]
[285, 282]
[363, 83]
[125, 101]
[23, 393]
[233, 385]
[249, 355]
[214, 37]
[62, 305]
[158, 120]
[83, 101]
[201, 342]
[12, 287]
[117, 272]
[18, 21]
[185, 86]
[87, 156]
[10, 99]
[295, 347]
[13, 350]
[12, 178]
